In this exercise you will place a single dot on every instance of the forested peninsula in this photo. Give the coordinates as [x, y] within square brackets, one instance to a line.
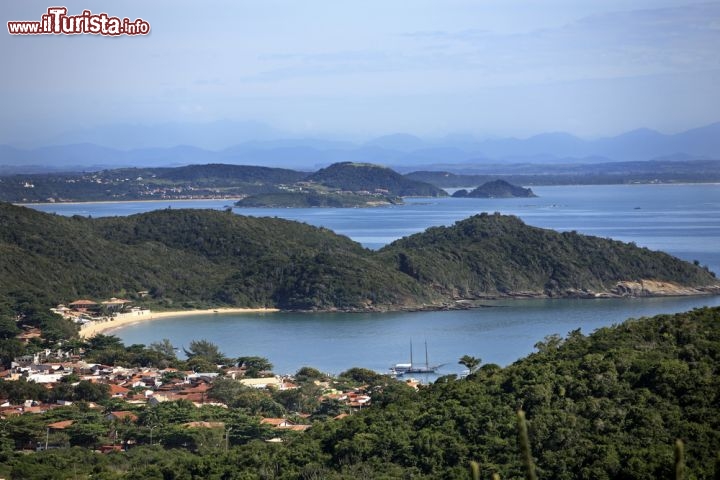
[314, 199]
[344, 184]
[206, 258]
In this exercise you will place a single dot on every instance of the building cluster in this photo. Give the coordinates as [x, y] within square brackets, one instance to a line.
[84, 311]
[131, 187]
[137, 387]
[355, 398]
[148, 386]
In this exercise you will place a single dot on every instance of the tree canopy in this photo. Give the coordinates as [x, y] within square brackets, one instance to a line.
[195, 258]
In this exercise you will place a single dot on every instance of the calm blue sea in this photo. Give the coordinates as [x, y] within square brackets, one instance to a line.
[683, 220]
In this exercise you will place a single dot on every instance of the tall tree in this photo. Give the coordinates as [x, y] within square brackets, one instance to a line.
[207, 351]
[104, 342]
[91, 392]
[164, 347]
[255, 365]
[8, 327]
[471, 363]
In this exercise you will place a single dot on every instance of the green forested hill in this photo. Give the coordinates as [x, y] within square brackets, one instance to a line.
[213, 173]
[55, 259]
[364, 176]
[496, 189]
[312, 199]
[206, 181]
[500, 255]
[192, 181]
[192, 258]
[605, 406]
[270, 261]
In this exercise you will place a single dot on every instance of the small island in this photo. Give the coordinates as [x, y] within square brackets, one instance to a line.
[496, 189]
[367, 177]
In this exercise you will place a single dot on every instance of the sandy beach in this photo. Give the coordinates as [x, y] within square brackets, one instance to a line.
[103, 326]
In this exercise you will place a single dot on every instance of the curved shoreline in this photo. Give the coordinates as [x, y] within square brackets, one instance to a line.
[103, 326]
[627, 289]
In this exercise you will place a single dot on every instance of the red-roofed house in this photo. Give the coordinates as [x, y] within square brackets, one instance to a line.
[117, 391]
[83, 305]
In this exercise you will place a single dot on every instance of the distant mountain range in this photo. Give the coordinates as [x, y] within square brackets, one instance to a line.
[401, 151]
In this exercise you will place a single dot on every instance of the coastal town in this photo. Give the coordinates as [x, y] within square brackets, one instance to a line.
[120, 397]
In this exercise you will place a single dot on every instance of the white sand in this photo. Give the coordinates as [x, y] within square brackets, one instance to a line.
[101, 326]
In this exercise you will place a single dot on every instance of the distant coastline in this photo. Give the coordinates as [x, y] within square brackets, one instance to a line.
[235, 198]
[78, 202]
[104, 326]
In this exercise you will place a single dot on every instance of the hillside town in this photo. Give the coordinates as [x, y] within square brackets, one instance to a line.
[64, 385]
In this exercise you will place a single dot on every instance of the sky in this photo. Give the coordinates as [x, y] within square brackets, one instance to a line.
[342, 69]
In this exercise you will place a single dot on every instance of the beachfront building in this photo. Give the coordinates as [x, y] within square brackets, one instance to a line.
[115, 305]
[84, 306]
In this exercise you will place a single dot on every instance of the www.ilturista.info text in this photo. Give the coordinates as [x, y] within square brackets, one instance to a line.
[57, 22]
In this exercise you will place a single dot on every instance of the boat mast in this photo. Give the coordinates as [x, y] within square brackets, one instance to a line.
[427, 364]
[411, 358]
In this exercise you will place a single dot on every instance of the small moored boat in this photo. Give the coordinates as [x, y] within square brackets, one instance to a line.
[400, 369]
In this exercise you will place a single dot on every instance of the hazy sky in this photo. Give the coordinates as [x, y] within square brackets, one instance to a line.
[355, 69]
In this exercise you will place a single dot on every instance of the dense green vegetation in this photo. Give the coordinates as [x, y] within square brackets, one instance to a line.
[194, 181]
[364, 176]
[212, 174]
[196, 258]
[207, 181]
[606, 406]
[345, 185]
[500, 255]
[496, 189]
[192, 258]
[316, 199]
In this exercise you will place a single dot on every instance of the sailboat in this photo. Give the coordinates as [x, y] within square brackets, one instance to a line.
[403, 368]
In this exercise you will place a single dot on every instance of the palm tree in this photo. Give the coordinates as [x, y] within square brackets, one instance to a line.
[471, 363]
